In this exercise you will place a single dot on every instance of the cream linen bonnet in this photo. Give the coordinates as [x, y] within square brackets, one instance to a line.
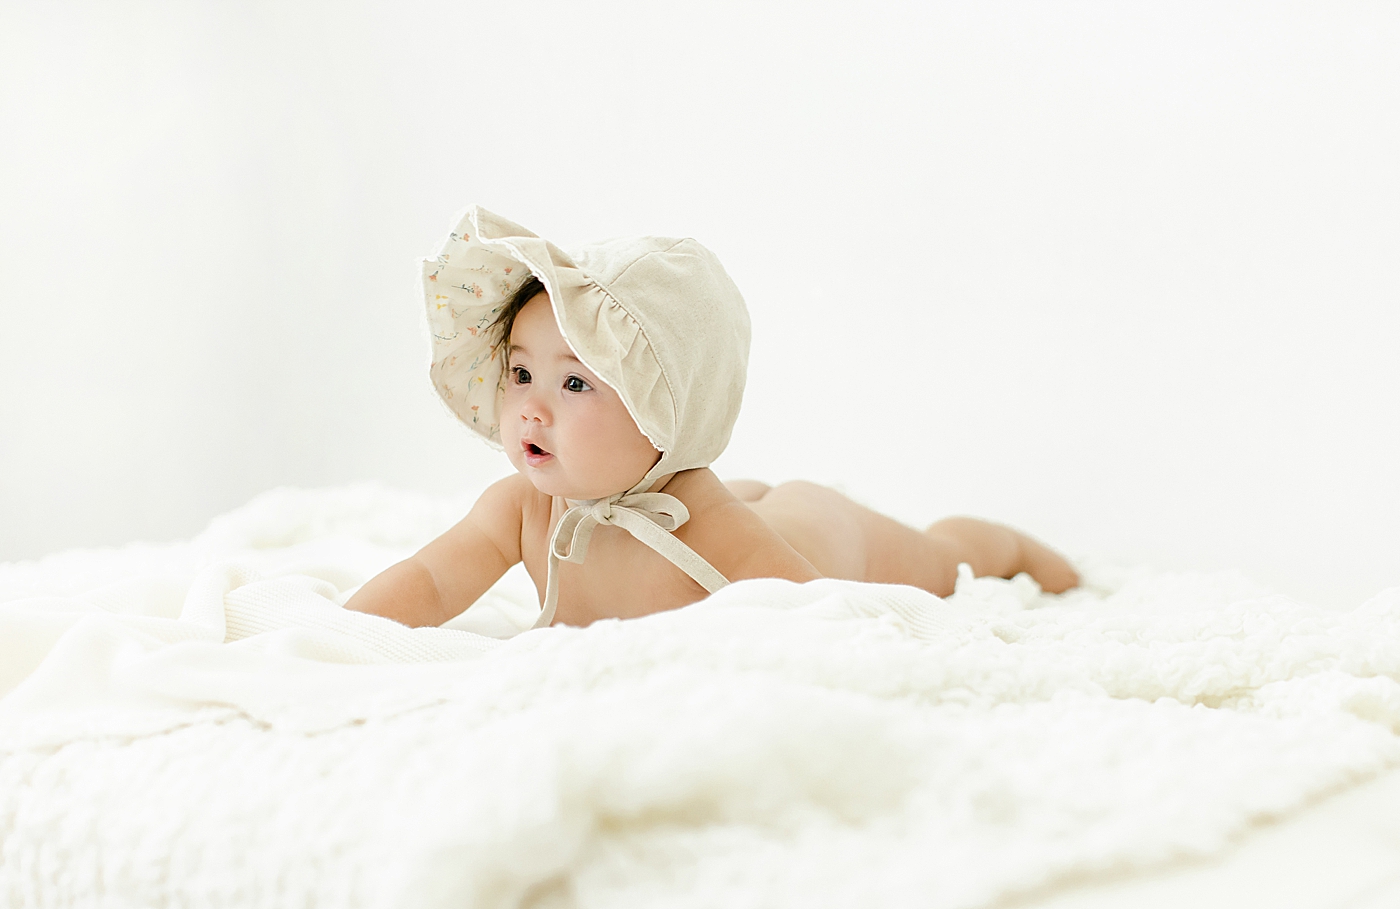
[656, 318]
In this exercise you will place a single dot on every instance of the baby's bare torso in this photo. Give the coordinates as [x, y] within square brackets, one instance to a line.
[623, 577]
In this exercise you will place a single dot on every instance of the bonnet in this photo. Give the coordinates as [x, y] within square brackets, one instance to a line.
[655, 318]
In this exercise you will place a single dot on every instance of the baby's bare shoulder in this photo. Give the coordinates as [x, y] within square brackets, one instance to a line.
[733, 537]
[519, 497]
[496, 516]
[698, 489]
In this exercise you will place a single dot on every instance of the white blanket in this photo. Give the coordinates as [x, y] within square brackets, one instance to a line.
[777, 744]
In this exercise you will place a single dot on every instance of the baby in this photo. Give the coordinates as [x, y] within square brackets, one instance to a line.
[612, 378]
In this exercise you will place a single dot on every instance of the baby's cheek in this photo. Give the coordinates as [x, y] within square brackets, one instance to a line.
[510, 438]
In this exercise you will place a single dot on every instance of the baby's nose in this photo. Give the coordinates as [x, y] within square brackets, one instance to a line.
[533, 410]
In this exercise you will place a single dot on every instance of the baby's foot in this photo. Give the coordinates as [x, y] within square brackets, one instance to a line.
[1050, 569]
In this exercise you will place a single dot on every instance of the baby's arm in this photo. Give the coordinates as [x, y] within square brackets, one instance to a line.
[450, 573]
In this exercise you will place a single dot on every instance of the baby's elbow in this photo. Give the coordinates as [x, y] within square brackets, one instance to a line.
[404, 592]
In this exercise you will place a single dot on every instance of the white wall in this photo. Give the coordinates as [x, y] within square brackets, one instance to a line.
[1123, 274]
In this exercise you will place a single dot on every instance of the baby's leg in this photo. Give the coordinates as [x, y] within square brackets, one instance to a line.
[843, 539]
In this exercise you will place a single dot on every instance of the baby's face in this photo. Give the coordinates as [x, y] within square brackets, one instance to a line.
[565, 430]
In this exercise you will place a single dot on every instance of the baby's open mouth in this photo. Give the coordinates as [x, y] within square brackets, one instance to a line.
[532, 448]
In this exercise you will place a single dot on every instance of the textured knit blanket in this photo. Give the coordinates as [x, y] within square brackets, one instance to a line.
[202, 724]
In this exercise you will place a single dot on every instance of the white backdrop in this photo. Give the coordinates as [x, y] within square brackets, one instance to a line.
[1124, 275]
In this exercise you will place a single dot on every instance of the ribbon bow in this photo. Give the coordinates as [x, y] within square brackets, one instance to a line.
[651, 517]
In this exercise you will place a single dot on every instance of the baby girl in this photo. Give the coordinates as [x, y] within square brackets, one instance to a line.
[612, 378]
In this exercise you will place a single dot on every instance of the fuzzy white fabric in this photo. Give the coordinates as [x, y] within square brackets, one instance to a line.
[828, 744]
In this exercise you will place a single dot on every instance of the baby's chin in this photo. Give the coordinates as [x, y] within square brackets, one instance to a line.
[570, 488]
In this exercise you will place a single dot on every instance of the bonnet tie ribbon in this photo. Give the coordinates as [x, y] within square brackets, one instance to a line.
[651, 517]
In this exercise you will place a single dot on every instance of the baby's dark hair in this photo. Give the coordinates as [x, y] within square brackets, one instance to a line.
[505, 319]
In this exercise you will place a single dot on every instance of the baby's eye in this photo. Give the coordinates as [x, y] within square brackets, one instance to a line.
[520, 374]
[574, 383]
